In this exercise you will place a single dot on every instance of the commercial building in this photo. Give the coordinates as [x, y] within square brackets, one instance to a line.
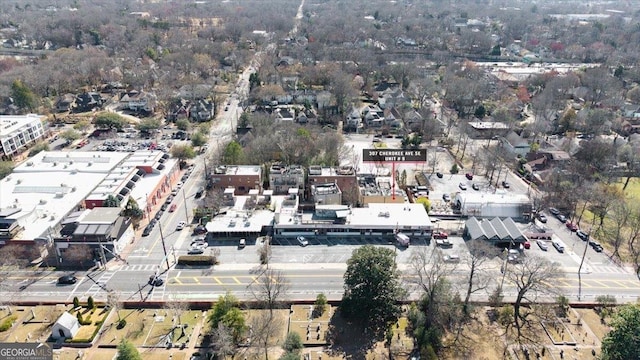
[18, 132]
[495, 231]
[379, 189]
[282, 178]
[92, 235]
[344, 177]
[240, 177]
[490, 205]
[44, 199]
[326, 194]
[43, 190]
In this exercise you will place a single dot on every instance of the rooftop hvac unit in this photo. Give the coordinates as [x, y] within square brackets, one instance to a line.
[43, 201]
[383, 214]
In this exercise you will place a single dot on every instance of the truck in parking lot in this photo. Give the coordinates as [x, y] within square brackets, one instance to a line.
[402, 239]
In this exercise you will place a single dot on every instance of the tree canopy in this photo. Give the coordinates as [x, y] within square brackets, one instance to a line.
[372, 288]
[183, 152]
[126, 351]
[226, 312]
[232, 153]
[109, 120]
[623, 342]
[22, 95]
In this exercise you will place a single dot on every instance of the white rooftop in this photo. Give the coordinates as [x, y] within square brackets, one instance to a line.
[42, 190]
[238, 220]
[11, 123]
[503, 197]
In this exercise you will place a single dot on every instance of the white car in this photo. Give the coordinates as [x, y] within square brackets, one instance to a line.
[179, 185]
[181, 225]
[302, 241]
[199, 245]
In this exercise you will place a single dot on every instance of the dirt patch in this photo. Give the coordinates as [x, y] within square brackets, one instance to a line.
[32, 323]
[312, 330]
[591, 319]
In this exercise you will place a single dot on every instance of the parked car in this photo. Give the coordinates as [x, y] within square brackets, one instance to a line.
[582, 235]
[475, 186]
[302, 241]
[440, 235]
[446, 197]
[542, 245]
[444, 243]
[453, 258]
[527, 245]
[67, 280]
[181, 225]
[469, 176]
[505, 185]
[200, 230]
[571, 226]
[595, 245]
[462, 186]
[173, 208]
[147, 230]
[199, 193]
[439, 175]
[195, 251]
[554, 211]
[242, 243]
[542, 218]
[562, 218]
[199, 244]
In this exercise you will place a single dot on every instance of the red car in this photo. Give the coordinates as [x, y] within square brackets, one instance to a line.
[571, 226]
[440, 235]
[527, 245]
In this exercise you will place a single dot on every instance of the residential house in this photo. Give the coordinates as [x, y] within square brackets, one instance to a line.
[139, 101]
[88, 101]
[546, 159]
[178, 110]
[412, 119]
[284, 114]
[515, 144]
[323, 99]
[202, 110]
[65, 103]
[354, 120]
[373, 116]
[487, 129]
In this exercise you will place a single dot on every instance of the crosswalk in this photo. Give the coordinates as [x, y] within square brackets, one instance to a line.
[100, 283]
[140, 267]
[598, 269]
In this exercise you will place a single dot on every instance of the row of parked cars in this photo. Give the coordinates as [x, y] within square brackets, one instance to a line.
[573, 227]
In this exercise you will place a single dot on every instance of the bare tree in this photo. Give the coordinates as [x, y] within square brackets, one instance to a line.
[478, 280]
[532, 278]
[264, 331]
[270, 288]
[223, 340]
[114, 303]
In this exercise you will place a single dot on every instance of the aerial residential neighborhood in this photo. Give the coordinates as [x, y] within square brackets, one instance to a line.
[319, 180]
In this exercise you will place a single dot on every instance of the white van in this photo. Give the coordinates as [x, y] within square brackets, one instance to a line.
[558, 245]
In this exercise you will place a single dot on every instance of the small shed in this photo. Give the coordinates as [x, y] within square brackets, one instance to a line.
[65, 327]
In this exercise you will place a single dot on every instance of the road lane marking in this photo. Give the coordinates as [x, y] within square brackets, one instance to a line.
[237, 281]
[217, 280]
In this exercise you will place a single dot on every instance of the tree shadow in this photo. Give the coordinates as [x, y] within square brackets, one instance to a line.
[349, 337]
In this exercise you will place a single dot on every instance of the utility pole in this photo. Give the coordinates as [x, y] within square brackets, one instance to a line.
[103, 258]
[164, 246]
[186, 212]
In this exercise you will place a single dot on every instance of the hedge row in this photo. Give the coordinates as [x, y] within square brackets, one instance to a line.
[6, 323]
[196, 260]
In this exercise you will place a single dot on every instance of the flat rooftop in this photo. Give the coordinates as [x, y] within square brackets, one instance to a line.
[45, 188]
[11, 123]
[238, 170]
